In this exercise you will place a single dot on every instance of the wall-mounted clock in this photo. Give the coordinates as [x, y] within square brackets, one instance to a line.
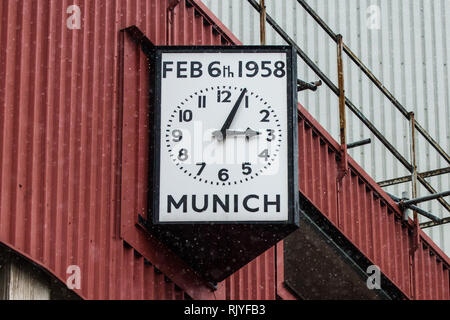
[225, 135]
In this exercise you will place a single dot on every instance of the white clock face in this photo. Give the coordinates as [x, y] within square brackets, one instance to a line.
[247, 149]
[224, 137]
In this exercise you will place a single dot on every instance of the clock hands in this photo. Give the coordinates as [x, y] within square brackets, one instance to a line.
[249, 133]
[230, 117]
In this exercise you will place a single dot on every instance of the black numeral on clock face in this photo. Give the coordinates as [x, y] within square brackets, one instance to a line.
[246, 168]
[185, 115]
[264, 154]
[279, 71]
[177, 135]
[265, 114]
[223, 96]
[270, 135]
[183, 155]
[223, 175]
[202, 102]
[202, 167]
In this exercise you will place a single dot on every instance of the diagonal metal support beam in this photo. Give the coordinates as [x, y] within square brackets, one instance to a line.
[432, 224]
[405, 179]
[432, 190]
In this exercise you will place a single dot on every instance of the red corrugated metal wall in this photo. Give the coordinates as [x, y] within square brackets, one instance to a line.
[73, 110]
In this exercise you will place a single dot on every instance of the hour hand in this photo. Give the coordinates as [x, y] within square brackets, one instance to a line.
[232, 114]
[249, 133]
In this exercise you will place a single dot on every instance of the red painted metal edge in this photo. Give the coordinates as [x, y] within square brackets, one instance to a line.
[282, 292]
[213, 18]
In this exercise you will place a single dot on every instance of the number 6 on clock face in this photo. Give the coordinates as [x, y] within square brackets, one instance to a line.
[226, 135]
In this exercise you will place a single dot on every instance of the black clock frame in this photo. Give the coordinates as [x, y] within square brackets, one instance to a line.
[215, 250]
[291, 71]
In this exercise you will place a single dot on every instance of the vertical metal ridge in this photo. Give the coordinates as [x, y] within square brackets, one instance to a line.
[15, 127]
[3, 39]
[8, 115]
[110, 141]
[22, 172]
[93, 147]
[52, 110]
[59, 228]
[361, 212]
[82, 256]
[40, 132]
[103, 125]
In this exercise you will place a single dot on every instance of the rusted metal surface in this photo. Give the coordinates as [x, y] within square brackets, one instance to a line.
[262, 22]
[433, 224]
[343, 164]
[366, 216]
[303, 85]
[414, 177]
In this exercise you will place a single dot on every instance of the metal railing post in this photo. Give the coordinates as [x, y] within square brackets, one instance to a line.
[414, 176]
[262, 22]
[343, 166]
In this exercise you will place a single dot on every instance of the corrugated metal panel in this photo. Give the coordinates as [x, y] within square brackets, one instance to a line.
[409, 54]
[366, 216]
[61, 143]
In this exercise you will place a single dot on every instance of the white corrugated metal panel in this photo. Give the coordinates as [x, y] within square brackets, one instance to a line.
[405, 43]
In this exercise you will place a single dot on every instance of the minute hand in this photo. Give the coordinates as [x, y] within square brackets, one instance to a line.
[230, 118]
[249, 133]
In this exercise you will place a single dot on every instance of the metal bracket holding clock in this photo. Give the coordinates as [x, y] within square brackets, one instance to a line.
[223, 156]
